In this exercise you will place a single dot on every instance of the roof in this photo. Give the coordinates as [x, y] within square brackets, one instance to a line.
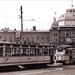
[69, 15]
[54, 23]
[71, 48]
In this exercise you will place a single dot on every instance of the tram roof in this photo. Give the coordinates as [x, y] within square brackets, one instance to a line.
[16, 44]
[64, 46]
[70, 48]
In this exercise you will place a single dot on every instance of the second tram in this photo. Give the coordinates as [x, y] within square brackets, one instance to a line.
[65, 54]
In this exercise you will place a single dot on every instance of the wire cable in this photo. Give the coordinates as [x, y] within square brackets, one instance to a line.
[25, 20]
[41, 22]
[9, 17]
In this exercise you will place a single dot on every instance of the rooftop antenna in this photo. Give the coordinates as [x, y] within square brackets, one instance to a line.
[72, 3]
[55, 16]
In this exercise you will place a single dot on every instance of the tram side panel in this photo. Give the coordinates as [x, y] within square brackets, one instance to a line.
[28, 54]
[43, 55]
[14, 55]
[73, 55]
[1, 54]
[68, 58]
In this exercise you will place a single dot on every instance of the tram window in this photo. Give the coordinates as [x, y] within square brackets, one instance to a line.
[60, 49]
[8, 52]
[32, 51]
[73, 51]
[67, 52]
[40, 51]
[16, 52]
[70, 52]
[1, 51]
[45, 51]
[25, 52]
[51, 51]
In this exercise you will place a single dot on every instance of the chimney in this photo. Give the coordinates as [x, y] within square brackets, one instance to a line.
[34, 28]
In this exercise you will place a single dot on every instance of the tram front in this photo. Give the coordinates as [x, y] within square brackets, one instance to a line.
[60, 52]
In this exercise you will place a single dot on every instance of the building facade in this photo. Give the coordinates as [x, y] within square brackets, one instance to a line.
[61, 31]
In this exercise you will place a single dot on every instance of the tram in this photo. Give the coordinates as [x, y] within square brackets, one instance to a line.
[24, 54]
[65, 54]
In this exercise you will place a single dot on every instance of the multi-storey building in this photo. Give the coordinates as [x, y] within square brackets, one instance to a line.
[32, 36]
[61, 31]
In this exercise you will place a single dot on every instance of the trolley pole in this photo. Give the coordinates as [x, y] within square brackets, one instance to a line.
[21, 19]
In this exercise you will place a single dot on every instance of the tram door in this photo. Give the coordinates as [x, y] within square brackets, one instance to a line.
[1, 54]
[51, 54]
[70, 55]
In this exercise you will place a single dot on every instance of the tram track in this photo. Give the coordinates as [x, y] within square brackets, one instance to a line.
[16, 68]
[35, 67]
[27, 68]
[33, 71]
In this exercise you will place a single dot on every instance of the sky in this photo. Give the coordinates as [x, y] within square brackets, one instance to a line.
[42, 11]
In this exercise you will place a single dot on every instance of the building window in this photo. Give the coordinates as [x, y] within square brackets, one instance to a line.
[0, 37]
[70, 10]
[61, 40]
[17, 34]
[70, 22]
[37, 38]
[32, 38]
[5, 39]
[54, 40]
[68, 34]
[61, 23]
[47, 37]
[68, 40]
[27, 38]
[55, 34]
[42, 38]
[10, 39]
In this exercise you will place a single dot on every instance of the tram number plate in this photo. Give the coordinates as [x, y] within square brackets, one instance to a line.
[46, 57]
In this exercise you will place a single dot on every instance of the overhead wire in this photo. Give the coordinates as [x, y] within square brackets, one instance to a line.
[25, 20]
[9, 17]
[41, 22]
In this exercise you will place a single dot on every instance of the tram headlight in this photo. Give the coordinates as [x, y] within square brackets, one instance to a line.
[59, 57]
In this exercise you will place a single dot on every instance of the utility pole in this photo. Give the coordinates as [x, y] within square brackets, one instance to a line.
[21, 19]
